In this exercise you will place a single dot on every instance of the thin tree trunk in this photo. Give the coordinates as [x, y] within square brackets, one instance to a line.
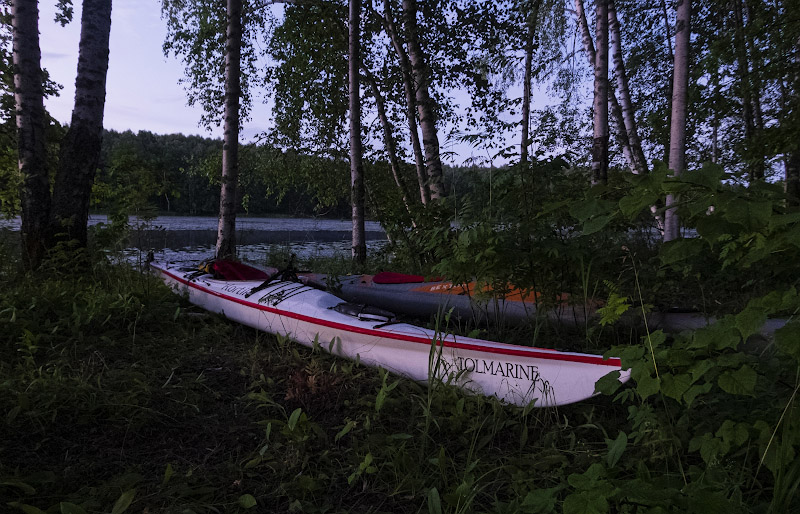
[411, 102]
[359, 248]
[425, 105]
[792, 160]
[745, 90]
[668, 38]
[29, 100]
[600, 107]
[755, 92]
[623, 91]
[80, 150]
[531, 23]
[388, 139]
[616, 110]
[792, 185]
[226, 231]
[680, 95]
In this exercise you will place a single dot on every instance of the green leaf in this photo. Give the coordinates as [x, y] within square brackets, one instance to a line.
[632, 205]
[680, 250]
[123, 502]
[750, 320]
[591, 207]
[733, 433]
[344, 431]
[294, 418]
[741, 382]
[596, 224]
[27, 509]
[647, 386]
[247, 501]
[70, 508]
[787, 339]
[168, 472]
[608, 384]
[434, 501]
[675, 386]
[711, 228]
[695, 391]
[25, 488]
[750, 215]
[540, 501]
[616, 448]
[585, 502]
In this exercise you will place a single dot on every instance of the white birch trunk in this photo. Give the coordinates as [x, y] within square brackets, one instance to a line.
[388, 139]
[359, 244]
[680, 95]
[623, 92]
[616, 110]
[32, 153]
[600, 139]
[226, 231]
[425, 106]
[80, 149]
[411, 102]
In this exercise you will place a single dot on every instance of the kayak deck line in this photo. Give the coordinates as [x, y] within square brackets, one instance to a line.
[491, 348]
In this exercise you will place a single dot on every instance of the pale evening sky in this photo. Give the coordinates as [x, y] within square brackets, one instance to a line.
[143, 92]
[143, 89]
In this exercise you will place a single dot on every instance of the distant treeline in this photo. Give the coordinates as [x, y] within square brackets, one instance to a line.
[179, 174]
[146, 173]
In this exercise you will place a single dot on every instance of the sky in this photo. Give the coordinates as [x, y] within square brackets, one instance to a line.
[143, 86]
[143, 90]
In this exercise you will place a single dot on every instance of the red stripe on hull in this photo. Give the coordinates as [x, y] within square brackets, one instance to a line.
[542, 353]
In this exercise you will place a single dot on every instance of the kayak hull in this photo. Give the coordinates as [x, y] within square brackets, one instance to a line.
[515, 374]
[461, 301]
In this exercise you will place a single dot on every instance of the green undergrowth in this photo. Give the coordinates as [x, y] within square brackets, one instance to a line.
[118, 396]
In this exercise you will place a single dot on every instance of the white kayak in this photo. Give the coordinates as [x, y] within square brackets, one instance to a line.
[515, 374]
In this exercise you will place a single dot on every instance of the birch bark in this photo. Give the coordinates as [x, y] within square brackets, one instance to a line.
[600, 139]
[388, 139]
[425, 105]
[616, 110]
[359, 245]
[411, 101]
[680, 95]
[226, 230]
[29, 100]
[80, 150]
[623, 92]
[530, 37]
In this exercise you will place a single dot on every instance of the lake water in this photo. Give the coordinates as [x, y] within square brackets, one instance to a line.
[193, 237]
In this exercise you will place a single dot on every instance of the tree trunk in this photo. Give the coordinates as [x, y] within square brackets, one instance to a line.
[29, 100]
[411, 102]
[80, 150]
[425, 105]
[616, 110]
[668, 38]
[680, 95]
[531, 23]
[359, 247]
[226, 231]
[623, 92]
[792, 159]
[745, 89]
[388, 139]
[600, 107]
[792, 185]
